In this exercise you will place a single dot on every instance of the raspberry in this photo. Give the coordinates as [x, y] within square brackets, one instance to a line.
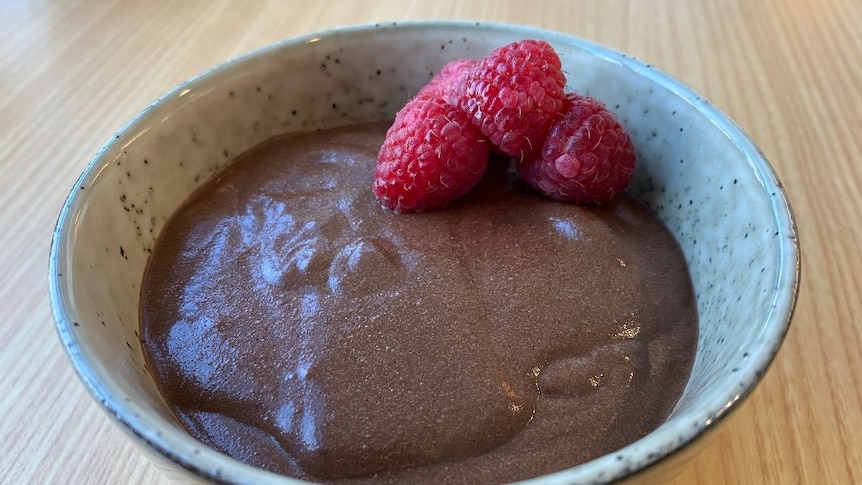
[513, 94]
[444, 83]
[431, 156]
[587, 156]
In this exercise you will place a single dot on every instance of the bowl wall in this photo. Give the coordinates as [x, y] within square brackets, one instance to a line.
[697, 171]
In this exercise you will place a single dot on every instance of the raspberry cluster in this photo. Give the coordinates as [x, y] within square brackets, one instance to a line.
[513, 101]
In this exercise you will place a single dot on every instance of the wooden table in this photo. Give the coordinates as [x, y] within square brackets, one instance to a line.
[788, 71]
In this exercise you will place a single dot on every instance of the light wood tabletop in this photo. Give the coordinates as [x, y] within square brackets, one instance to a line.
[788, 71]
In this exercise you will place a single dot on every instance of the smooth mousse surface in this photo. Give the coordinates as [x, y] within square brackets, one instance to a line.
[292, 323]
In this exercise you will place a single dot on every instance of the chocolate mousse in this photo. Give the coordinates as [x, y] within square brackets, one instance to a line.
[291, 322]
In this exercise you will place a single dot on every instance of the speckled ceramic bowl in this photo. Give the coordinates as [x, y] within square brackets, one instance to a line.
[697, 170]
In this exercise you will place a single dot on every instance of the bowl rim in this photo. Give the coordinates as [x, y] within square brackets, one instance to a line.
[654, 448]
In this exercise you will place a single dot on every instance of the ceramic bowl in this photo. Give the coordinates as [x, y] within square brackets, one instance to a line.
[697, 171]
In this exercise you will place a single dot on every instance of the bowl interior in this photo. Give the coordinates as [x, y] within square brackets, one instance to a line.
[697, 171]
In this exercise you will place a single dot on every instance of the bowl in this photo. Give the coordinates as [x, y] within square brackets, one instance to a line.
[697, 171]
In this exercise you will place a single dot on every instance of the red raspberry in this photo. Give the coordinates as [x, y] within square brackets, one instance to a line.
[587, 157]
[432, 155]
[513, 95]
[444, 83]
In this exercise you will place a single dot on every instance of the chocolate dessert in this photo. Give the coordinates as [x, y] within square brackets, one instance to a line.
[291, 322]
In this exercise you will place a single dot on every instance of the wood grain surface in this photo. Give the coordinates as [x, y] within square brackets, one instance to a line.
[789, 72]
